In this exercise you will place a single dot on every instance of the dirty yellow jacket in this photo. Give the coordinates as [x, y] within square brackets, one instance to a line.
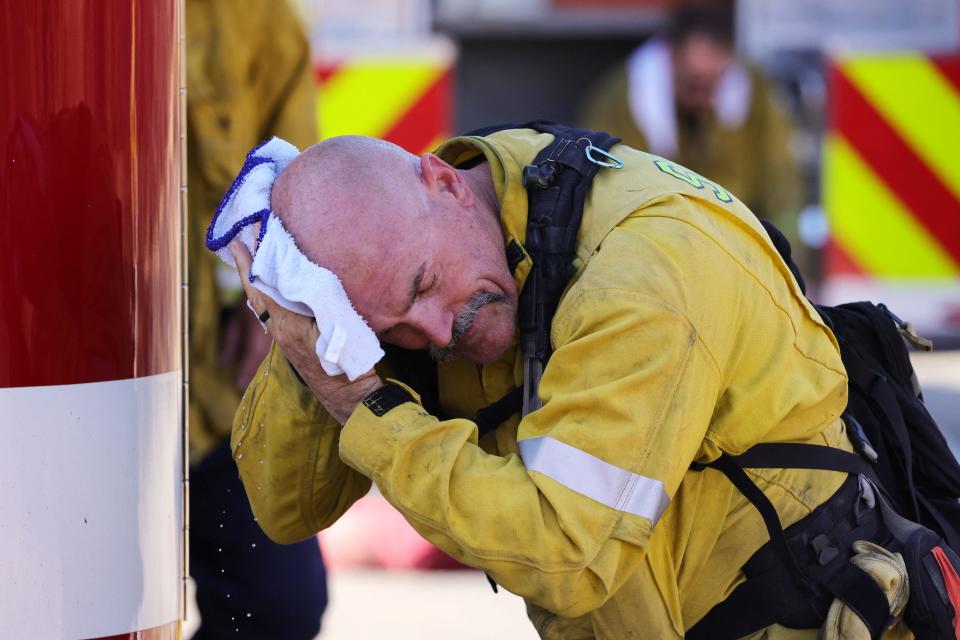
[681, 336]
[248, 77]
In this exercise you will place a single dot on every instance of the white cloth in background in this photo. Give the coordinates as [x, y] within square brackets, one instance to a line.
[651, 99]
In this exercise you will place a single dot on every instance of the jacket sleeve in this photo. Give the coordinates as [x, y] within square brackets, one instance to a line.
[628, 396]
[285, 446]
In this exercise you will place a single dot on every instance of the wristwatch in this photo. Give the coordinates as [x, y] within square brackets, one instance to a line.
[387, 397]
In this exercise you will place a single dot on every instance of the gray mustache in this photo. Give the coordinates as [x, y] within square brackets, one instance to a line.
[465, 320]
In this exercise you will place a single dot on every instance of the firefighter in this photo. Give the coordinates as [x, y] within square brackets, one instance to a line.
[684, 95]
[248, 77]
[681, 335]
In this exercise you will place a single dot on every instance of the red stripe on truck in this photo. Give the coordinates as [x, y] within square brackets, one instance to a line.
[89, 191]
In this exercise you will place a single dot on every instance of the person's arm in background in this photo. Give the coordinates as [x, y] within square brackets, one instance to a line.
[285, 91]
[284, 442]
[287, 69]
[249, 76]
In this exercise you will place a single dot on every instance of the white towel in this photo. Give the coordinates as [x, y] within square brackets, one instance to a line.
[280, 270]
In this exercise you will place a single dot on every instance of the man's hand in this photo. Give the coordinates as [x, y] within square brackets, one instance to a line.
[297, 337]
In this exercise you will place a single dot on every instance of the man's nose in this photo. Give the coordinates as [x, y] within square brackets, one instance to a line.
[436, 325]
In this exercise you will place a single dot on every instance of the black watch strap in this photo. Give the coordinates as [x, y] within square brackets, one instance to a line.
[387, 397]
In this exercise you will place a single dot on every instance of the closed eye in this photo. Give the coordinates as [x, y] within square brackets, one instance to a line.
[415, 287]
[416, 290]
[431, 285]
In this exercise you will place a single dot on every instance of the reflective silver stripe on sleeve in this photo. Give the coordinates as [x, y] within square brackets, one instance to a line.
[590, 476]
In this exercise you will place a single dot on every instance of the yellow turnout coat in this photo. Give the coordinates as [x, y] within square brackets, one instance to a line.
[681, 336]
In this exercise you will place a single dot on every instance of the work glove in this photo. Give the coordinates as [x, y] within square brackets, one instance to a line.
[890, 572]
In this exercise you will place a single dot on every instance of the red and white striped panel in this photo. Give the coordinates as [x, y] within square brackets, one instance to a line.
[91, 434]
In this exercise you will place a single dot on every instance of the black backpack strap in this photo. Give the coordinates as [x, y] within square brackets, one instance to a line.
[749, 609]
[557, 183]
[878, 392]
[789, 455]
[730, 467]
[492, 416]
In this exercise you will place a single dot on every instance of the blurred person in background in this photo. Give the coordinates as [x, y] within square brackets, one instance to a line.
[248, 77]
[683, 95]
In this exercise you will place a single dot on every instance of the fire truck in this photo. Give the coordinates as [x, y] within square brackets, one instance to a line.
[91, 330]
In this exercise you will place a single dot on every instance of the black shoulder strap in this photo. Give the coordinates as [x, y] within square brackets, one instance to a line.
[557, 183]
[853, 586]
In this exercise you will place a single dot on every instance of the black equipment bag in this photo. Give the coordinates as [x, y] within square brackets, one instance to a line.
[901, 451]
[904, 483]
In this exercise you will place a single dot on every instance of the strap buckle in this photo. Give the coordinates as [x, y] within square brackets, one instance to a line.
[532, 371]
[607, 159]
[907, 331]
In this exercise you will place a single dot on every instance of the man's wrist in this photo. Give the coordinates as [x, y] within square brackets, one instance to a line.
[357, 391]
[388, 396]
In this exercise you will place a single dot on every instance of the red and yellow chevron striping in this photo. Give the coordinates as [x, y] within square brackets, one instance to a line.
[406, 100]
[891, 183]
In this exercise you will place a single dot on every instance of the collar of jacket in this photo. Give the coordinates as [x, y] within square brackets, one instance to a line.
[506, 153]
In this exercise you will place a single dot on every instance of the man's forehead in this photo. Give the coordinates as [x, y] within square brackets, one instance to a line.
[382, 277]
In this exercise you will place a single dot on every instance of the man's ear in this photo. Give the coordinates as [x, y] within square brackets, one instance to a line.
[439, 178]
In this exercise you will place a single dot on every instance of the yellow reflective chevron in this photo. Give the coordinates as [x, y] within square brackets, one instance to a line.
[871, 223]
[366, 96]
[914, 97]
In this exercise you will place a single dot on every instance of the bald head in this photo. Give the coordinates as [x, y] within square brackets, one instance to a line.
[416, 242]
[346, 189]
